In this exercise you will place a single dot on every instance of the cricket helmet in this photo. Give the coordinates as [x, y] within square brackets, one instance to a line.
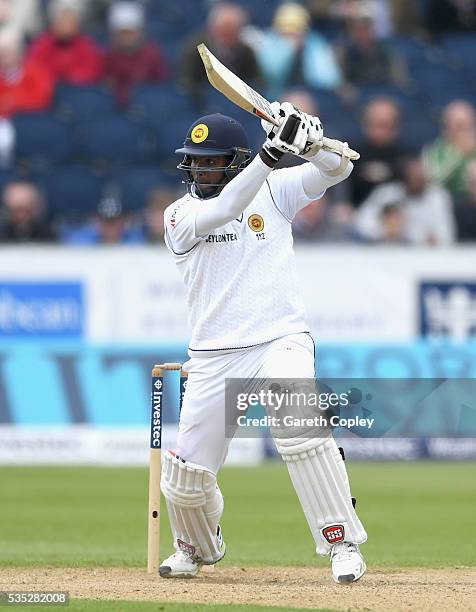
[214, 136]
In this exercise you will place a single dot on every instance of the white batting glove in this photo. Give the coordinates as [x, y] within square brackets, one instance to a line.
[315, 138]
[313, 125]
[291, 136]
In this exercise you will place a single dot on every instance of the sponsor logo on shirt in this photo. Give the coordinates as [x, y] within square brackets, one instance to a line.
[221, 238]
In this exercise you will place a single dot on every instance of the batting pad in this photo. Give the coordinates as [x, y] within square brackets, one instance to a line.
[319, 477]
[195, 506]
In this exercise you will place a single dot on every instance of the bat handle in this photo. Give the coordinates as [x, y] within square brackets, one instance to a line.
[336, 146]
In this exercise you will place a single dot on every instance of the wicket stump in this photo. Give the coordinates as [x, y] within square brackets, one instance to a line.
[153, 540]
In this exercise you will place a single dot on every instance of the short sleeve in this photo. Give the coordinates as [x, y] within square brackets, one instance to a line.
[179, 223]
[287, 191]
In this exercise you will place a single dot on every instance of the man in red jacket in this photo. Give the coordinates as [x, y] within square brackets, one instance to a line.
[131, 59]
[70, 55]
[25, 85]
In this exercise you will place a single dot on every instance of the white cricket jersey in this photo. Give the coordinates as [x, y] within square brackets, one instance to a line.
[241, 282]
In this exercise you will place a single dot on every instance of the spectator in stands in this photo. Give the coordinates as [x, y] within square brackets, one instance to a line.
[157, 201]
[426, 209]
[21, 218]
[21, 15]
[366, 60]
[110, 225]
[70, 55]
[291, 55]
[223, 37]
[380, 150]
[465, 207]
[25, 85]
[448, 157]
[392, 225]
[131, 60]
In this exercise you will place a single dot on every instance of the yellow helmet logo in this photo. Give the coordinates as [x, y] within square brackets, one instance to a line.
[199, 133]
[256, 223]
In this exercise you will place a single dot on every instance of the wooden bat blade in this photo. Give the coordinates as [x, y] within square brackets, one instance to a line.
[232, 87]
[244, 96]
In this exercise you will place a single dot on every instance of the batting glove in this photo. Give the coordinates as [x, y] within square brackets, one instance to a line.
[291, 136]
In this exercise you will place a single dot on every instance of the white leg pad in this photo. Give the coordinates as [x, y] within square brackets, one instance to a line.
[319, 477]
[195, 506]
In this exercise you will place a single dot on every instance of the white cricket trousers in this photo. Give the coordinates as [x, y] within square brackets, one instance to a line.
[201, 436]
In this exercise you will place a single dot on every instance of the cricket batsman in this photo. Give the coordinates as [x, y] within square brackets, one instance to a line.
[231, 239]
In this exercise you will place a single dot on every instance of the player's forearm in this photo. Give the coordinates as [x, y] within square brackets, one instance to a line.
[322, 172]
[233, 199]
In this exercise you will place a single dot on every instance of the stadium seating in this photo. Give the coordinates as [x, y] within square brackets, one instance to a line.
[136, 183]
[41, 139]
[73, 191]
[155, 105]
[114, 139]
[80, 103]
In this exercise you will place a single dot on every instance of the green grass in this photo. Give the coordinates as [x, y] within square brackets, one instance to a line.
[416, 514]
[86, 605]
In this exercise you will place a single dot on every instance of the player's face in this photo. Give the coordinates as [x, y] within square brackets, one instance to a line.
[206, 173]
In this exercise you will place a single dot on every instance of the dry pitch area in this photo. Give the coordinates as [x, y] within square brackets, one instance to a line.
[381, 589]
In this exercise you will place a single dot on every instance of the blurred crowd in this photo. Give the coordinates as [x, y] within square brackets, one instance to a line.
[96, 94]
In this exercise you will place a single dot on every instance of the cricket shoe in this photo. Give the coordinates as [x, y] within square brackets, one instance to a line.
[348, 565]
[183, 564]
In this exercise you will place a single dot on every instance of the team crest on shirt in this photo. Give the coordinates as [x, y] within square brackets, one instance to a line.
[256, 223]
[199, 133]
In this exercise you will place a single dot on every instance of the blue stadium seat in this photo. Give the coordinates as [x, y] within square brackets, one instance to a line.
[171, 135]
[41, 139]
[136, 183]
[79, 103]
[73, 191]
[6, 176]
[157, 104]
[462, 49]
[114, 138]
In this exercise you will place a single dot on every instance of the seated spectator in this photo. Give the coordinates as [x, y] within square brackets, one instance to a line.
[21, 15]
[465, 207]
[380, 151]
[25, 84]
[392, 225]
[447, 158]
[70, 55]
[21, 218]
[426, 209]
[320, 221]
[223, 37]
[291, 55]
[366, 60]
[110, 225]
[157, 202]
[131, 60]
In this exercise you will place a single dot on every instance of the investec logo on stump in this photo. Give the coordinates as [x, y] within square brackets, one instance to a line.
[156, 428]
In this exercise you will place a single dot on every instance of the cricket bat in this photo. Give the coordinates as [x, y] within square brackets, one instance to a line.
[241, 94]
